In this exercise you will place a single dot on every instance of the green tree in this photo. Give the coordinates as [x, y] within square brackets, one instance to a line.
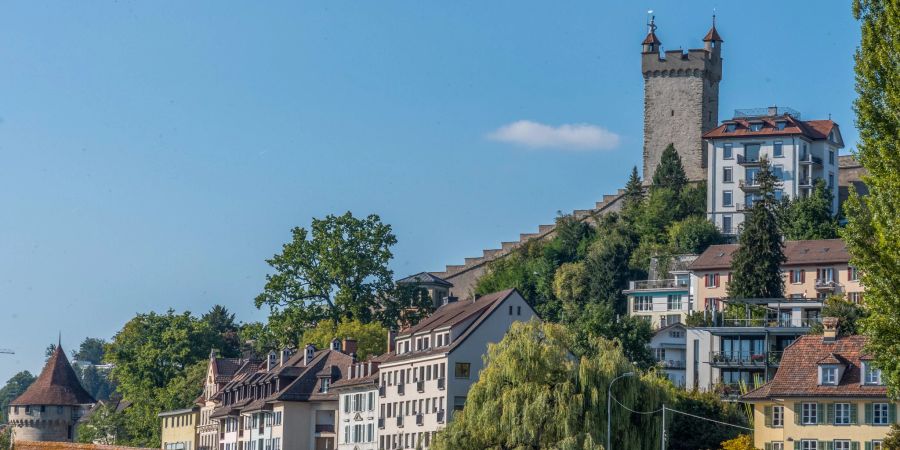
[371, 338]
[159, 363]
[669, 173]
[811, 217]
[873, 233]
[530, 272]
[532, 394]
[756, 265]
[105, 425]
[90, 350]
[336, 270]
[850, 316]
[222, 322]
[690, 433]
[257, 338]
[634, 193]
[892, 440]
[742, 442]
[14, 387]
[693, 235]
[6, 438]
[606, 266]
[96, 382]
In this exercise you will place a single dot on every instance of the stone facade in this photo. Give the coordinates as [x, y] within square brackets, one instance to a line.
[681, 102]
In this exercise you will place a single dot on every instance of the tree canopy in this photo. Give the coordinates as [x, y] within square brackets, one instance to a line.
[811, 217]
[873, 231]
[90, 350]
[14, 387]
[371, 338]
[670, 173]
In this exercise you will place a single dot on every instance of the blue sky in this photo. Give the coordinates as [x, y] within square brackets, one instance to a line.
[155, 153]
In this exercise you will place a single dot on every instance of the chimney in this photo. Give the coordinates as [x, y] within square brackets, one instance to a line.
[391, 341]
[349, 346]
[271, 360]
[308, 352]
[773, 110]
[830, 329]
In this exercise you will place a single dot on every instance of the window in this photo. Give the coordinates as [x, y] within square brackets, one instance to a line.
[727, 224]
[510, 309]
[780, 124]
[841, 445]
[518, 310]
[712, 280]
[777, 446]
[673, 302]
[778, 416]
[325, 384]
[728, 151]
[756, 126]
[778, 171]
[643, 303]
[676, 334]
[729, 128]
[778, 149]
[826, 274]
[779, 194]
[830, 180]
[727, 198]
[797, 276]
[808, 414]
[459, 403]
[461, 370]
[876, 445]
[831, 156]
[829, 375]
[880, 414]
[842, 414]
[728, 175]
[855, 297]
[872, 375]
[751, 153]
[808, 444]
[853, 274]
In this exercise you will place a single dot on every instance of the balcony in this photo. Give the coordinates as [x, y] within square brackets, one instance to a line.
[671, 364]
[420, 386]
[658, 284]
[765, 322]
[744, 359]
[401, 389]
[442, 383]
[382, 391]
[807, 182]
[823, 285]
[748, 160]
[809, 159]
[420, 419]
[440, 416]
[750, 185]
[381, 423]
[324, 428]
[400, 421]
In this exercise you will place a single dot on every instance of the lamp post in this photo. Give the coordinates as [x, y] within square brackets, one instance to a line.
[609, 407]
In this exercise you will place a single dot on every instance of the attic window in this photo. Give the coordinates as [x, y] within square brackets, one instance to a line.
[756, 126]
[780, 124]
[729, 128]
[828, 376]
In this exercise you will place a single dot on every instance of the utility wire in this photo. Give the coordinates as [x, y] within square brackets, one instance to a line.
[680, 412]
[636, 412]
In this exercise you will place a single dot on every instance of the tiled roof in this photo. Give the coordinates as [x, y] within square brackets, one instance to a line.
[798, 253]
[56, 385]
[226, 367]
[811, 129]
[712, 35]
[651, 39]
[425, 278]
[798, 374]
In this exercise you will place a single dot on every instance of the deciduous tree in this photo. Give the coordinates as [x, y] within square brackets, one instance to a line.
[14, 387]
[90, 350]
[811, 217]
[371, 338]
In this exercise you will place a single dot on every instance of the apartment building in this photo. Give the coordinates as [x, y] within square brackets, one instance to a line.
[357, 422]
[179, 429]
[668, 347]
[826, 395]
[726, 350]
[800, 152]
[287, 403]
[666, 297]
[219, 372]
[431, 365]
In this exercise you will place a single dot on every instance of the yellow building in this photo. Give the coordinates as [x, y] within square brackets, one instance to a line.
[825, 396]
[179, 429]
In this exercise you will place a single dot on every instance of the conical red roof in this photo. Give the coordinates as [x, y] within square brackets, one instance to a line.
[651, 39]
[712, 35]
[57, 385]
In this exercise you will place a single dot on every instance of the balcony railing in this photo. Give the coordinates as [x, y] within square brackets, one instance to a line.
[442, 383]
[324, 428]
[808, 158]
[825, 285]
[440, 416]
[744, 359]
[400, 421]
[671, 364]
[401, 389]
[807, 182]
[658, 284]
[748, 160]
[766, 322]
[420, 386]
[749, 185]
[420, 419]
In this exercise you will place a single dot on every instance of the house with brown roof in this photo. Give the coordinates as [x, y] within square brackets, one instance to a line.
[50, 408]
[827, 394]
[431, 365]
[358, 403]
[801, 152]
[219, 372]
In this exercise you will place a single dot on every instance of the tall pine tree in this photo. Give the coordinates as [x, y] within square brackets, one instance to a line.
[670, 171]
[873, 232]
[756, 265]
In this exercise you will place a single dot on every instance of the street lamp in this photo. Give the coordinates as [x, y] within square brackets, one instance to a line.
[609, 407]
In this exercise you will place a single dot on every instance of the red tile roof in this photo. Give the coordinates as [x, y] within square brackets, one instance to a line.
[798, 374]
[811, 129]
[798, 253]
[56, 385]
[651, 39]
[712, 35]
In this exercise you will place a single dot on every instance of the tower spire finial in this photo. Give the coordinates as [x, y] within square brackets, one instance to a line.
[59, 340]
[651, 26]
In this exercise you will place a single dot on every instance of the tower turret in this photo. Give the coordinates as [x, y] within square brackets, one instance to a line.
[712, 42]
[651, 42]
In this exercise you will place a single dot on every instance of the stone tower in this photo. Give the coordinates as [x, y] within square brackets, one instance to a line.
[681, 100]
[50, 408]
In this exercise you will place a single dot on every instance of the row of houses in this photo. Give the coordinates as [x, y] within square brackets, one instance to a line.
[328, 399]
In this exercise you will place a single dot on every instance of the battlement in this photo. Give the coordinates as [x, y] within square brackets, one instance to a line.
[695, 62]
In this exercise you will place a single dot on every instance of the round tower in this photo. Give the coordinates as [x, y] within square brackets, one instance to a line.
[50, 408]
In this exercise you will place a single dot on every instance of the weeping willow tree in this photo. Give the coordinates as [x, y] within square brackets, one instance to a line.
[533, 394]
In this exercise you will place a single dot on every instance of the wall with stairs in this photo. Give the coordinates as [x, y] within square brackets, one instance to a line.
[464, 276]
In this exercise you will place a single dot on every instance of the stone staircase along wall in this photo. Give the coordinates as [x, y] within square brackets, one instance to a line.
[464, 276]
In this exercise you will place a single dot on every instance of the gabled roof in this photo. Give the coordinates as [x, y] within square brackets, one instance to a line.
[798, 374]
[810, 129]
[56, 385]
[425, 278]
[798, 253]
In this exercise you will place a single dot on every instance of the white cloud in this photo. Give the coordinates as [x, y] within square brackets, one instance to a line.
[576, 136]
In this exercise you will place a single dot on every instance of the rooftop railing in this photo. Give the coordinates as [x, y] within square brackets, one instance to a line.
[658, 284]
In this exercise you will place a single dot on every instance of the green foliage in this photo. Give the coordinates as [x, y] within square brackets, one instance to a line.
[370, 338]
[892, 440]
[530, 272]
[669, 173]
[811, 217]
[337, 270]
[96, 382]
[689, 433]
[221, 321]
[693, 235]
[90, 350]
[14, 387]
[105, 425]
[6, 438]
[532, 394]
[850, 316]
[873, 233]
[742, 442]
[159, 364]
[756, 265]
[634, 191]
[258, 338]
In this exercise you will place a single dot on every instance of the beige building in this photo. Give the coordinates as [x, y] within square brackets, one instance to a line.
[219, 372]
[50, 408]
[431, 365]
[826, 395]
[667, 296]
[179, 429]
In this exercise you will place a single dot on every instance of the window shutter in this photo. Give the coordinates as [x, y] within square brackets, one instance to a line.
[820, 414]
[791, 279]
[824, 445]
[868, 414]
[829, 413]
[768, 446]
[854, 445]
[892, 412]
[767, 411]
[854, 414]
[803, 276]
[868, 445]
[796, 445]
[716, 280]
[798, 411]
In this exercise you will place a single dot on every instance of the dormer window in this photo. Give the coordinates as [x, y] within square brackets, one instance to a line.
[780, 124]
[828, 376]
[756, 126]
[326, 383]
[729, 128]
[871, 375]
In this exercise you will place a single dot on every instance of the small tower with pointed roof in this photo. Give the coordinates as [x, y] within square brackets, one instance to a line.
[681, 100]
[52, 405]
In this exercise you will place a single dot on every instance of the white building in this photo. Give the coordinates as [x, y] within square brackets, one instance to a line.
[800, 152]
[667, 296]
[668, 347]
[432, 365]
[357, 423]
